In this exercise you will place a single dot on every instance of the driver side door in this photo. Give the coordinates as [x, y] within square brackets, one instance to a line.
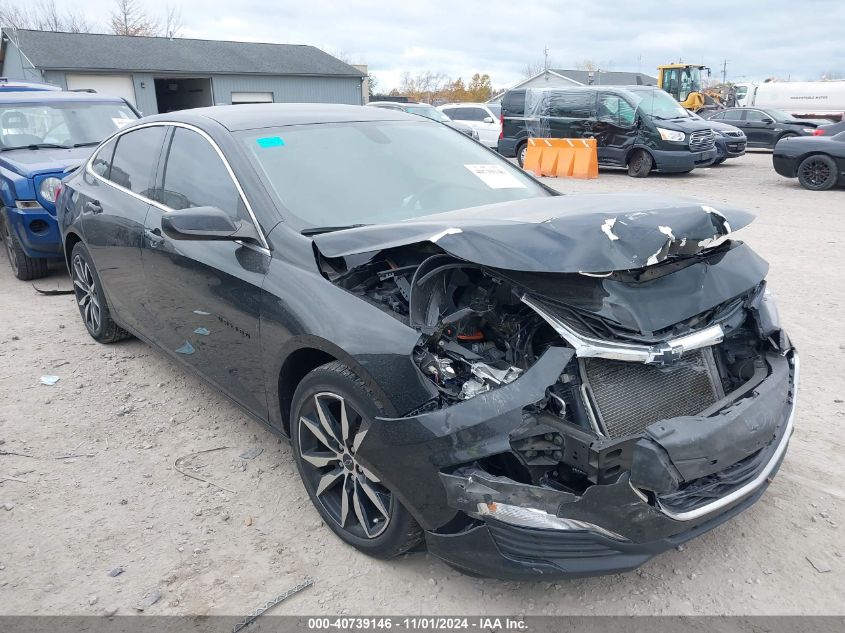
[205, 295]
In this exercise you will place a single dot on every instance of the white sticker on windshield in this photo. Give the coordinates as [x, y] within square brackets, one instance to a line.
[120, 122]
[495, 177]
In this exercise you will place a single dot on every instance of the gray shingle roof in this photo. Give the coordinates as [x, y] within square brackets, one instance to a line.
[611, 78]
[71, 51]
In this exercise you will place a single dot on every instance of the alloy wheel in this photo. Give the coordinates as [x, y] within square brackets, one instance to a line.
[85, 289]
[816, 172]
[330, 432]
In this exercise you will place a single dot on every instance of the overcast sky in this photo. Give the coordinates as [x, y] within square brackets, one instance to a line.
[797, 39]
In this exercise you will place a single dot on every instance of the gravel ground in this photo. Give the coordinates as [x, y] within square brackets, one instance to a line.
[99, 490]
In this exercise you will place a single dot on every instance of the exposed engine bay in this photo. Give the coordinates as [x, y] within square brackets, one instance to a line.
[642, 354]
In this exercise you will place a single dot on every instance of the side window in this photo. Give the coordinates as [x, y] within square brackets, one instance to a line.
[135, 160]
[615, 110]
[101, 164]
[571, 104]
[470, 114]
[453, 113]
[195, 176]
[755, 116]
[732, 115]
[718, 116]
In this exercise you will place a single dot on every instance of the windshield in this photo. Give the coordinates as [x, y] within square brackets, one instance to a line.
[658, 104]
[381, 171]
[66, 124]
[429, 112]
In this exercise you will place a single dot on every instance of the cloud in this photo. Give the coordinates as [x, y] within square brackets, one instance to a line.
[780, 38]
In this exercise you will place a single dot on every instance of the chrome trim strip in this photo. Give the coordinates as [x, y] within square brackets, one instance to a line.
[759, 480]
[662, 353]
[158, 205]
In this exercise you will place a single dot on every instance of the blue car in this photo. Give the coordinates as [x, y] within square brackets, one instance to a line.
[13, 85]
[43, 135]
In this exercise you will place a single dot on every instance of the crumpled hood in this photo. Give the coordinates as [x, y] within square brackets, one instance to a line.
[32, 162]
[561, 234]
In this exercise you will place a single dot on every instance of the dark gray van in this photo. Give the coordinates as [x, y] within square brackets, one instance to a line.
[639, 127]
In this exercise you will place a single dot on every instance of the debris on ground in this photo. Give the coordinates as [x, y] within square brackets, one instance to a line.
[252, 453]
[272, 603]
[49, 380]
[149, 600]
[820, 564]
[116, 571]
[180, 466]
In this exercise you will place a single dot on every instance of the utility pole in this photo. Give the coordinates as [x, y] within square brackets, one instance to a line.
[546, 58]
[724, 71]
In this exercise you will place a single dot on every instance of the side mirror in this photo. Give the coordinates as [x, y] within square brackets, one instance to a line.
[768, 121]
[488, 119]
[205, 223]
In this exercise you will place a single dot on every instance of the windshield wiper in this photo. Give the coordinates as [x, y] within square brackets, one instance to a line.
[317, 230]
[35, 146]
[88, 144]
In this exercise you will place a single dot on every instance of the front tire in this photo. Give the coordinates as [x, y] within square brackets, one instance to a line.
[331, 412]
[817, 172]
[24, 267]
[640, 164]
[90, 298]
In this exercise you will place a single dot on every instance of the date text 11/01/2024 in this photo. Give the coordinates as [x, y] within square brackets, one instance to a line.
[417, 623]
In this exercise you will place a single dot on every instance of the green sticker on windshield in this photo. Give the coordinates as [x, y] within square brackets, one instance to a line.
[271, 141]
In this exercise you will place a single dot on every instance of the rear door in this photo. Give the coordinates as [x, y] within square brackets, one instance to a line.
[113, 199]
[206, 294]
[759, 127]
[514, 127]
[570, 113]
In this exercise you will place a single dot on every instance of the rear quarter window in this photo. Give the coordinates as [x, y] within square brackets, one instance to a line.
[136, 158]
[513, 103]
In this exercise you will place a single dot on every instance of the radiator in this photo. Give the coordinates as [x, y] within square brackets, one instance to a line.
[628, 397]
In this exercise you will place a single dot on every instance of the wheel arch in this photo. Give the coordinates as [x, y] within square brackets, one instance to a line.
[71, 239]
[301, 356]
[634, 150]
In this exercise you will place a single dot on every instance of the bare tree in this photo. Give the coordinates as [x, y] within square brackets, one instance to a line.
[586, 64]
[129, 18]
[43, 16]
[532, 69]
[172, 22]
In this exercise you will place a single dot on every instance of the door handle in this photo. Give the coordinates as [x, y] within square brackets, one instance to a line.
[154, 237]
[93, 206]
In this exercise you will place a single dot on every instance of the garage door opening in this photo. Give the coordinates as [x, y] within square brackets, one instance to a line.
[183, 93]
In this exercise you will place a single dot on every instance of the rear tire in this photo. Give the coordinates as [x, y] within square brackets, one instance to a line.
[818, 172]
[640, 164]
[520, 154]
[90, 298]
[24, 267]
[350, 499]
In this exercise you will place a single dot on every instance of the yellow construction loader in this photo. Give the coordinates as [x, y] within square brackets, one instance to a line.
[683, 81]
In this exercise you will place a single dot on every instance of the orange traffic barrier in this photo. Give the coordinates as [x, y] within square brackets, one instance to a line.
[562, 157]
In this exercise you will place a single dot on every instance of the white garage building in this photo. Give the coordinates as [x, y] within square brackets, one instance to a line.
[158, 74]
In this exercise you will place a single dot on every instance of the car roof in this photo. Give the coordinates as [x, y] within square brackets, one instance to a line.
[265, 115]
[49, 96]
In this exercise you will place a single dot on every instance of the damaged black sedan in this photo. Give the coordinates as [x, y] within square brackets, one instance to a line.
[534, 385]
